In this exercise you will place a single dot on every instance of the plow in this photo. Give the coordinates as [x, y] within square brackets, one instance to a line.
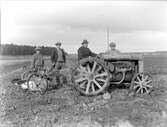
[40, 81]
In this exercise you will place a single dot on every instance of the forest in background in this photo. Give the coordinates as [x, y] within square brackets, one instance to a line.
[14, 50]
[25, 50]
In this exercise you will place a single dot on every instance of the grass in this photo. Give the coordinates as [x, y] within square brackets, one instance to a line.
[153, 64]
[10, 63]
[29, 108]
[14, 57]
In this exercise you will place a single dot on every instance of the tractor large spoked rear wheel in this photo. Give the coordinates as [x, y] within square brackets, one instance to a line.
[91, 77]
[142, 84]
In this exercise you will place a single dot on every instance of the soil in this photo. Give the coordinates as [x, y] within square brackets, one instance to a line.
[65, 107]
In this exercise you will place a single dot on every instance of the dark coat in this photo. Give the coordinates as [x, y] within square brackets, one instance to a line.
[37, 60]
[54, 56]
[84, 52]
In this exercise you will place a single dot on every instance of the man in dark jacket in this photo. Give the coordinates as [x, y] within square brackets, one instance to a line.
[58, 57]
[84, 51]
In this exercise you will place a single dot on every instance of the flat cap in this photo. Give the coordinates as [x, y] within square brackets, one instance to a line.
[38, 48]
[112, 44]
[84, 42]
[58, 43]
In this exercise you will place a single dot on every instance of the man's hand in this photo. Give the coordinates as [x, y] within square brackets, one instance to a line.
[100, 56]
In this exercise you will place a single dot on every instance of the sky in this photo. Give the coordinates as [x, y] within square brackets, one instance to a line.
[135, 26]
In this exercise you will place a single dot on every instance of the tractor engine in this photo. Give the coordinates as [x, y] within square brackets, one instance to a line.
[122, 71]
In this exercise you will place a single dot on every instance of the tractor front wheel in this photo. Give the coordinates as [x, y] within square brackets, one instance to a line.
[141, 83]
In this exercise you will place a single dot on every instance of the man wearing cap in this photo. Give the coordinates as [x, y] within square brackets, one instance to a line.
[113, 49]
[84, 51]
[37, 60]
[58, 57]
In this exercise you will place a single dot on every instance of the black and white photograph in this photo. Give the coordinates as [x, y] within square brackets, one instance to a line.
[83, 63]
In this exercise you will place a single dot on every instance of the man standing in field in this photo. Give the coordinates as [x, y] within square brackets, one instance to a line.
[84, 51]
[58, 57]
[37, 60]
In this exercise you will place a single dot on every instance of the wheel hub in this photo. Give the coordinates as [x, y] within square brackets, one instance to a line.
[90, 76]
[142, 83]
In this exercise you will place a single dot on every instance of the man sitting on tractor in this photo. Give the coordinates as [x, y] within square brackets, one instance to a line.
[37, 60]
[84, 51]
[113, 49]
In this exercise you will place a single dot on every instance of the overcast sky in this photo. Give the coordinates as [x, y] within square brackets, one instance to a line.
[134, 25]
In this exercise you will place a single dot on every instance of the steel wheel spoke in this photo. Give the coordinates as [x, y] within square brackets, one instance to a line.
[102, 74]
[137, 82]
[138, 90]
[142, 91]
[138, 79]
[80, 75]
[88, 67]
[102, 80]
[82, 85]
[79, 70]
[148, 82]
[146, 90]
[80, 79]
[97, 84]
[87, 87]
[93, 87]
[94, 66]
[136, 86]
[148, 86]
[146, 77]
[99, 68]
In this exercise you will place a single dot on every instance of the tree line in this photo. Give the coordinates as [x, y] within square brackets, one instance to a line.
[13, 49]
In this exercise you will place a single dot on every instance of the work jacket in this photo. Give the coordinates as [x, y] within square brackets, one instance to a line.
[84, 52]
[54, 56]
[37, 60]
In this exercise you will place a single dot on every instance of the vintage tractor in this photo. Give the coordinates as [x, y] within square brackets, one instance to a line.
[93, 75]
